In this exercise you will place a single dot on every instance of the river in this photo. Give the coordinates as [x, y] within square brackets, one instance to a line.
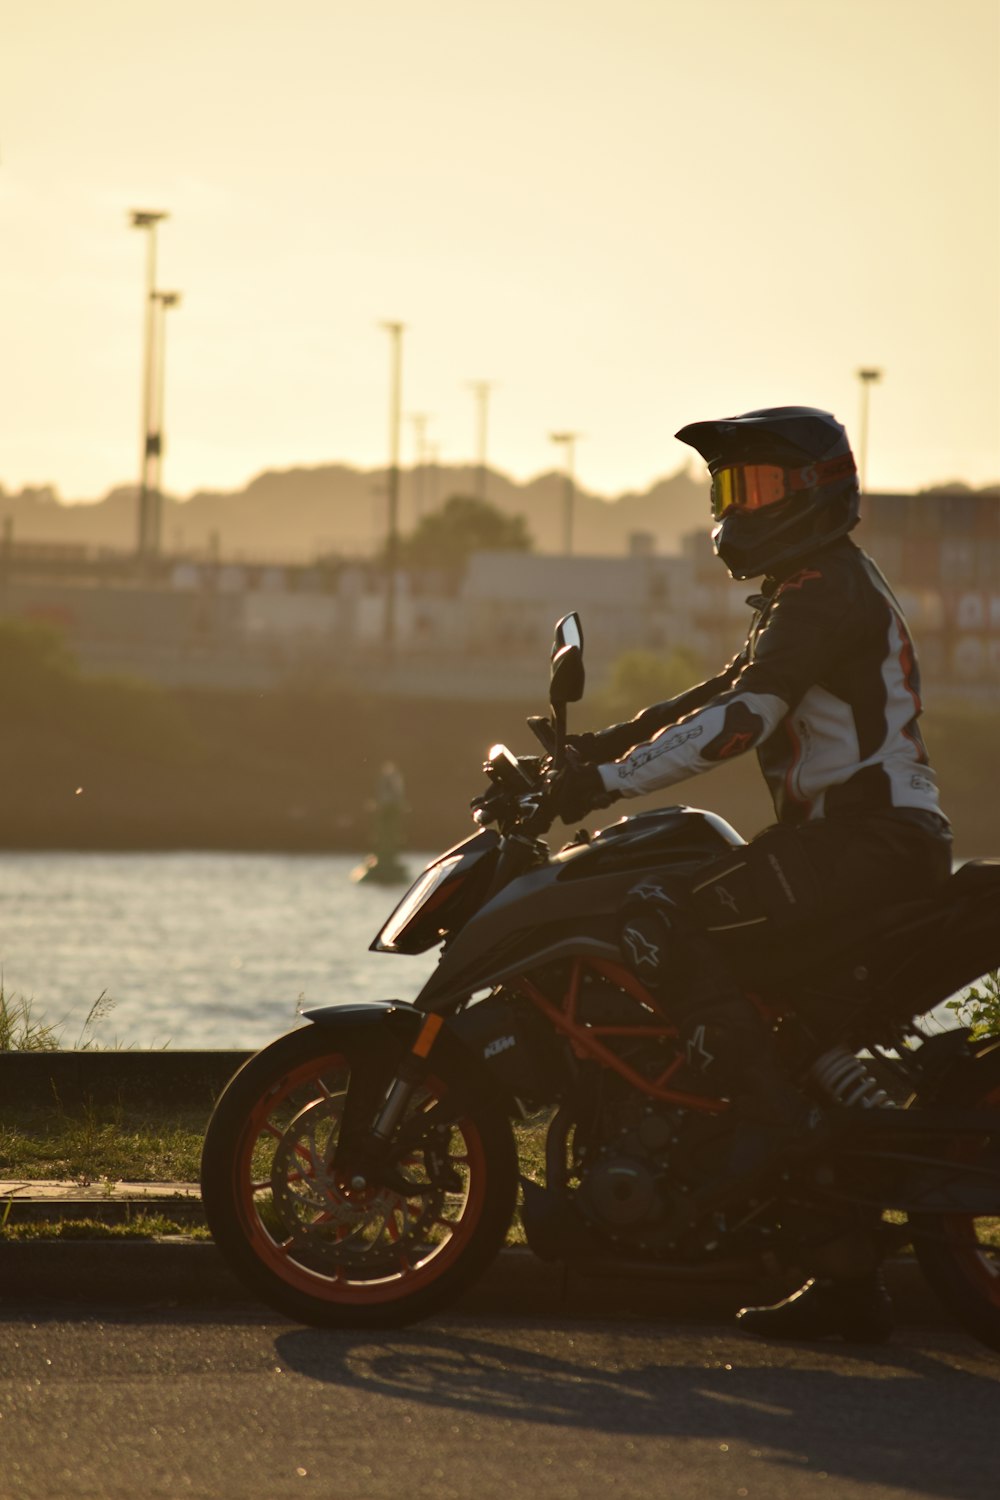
[192, 949]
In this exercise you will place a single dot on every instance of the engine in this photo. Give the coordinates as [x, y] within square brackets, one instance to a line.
[638, 1167]
[623, 1172]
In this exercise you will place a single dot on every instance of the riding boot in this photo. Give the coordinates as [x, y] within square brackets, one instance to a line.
[859, 1311]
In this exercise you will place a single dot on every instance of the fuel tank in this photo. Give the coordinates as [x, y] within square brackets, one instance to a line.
[570, 905]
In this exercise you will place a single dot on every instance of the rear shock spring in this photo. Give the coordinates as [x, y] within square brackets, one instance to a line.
[847, 1081]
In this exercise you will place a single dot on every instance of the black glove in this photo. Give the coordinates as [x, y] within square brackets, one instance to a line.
[595, 749]
[578, 789]
[603, 745]
[586, 748]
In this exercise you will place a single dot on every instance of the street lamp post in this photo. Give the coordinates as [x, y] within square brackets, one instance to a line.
[164, 301]
[868, 377]
[481, 390]
[147, 219]
[568, 441]
[395, 331]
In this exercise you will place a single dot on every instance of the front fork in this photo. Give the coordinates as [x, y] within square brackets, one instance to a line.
[412, 1071]
[362, 1154]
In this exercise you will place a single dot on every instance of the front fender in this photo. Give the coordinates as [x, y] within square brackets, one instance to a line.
[391, 1015]
[377, 1022]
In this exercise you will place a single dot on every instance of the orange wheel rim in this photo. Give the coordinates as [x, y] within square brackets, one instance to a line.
[322, 1258]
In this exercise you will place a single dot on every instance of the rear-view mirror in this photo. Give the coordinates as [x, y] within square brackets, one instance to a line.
[569, 632]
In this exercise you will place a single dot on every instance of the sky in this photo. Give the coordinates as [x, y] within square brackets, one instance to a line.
[625, 216]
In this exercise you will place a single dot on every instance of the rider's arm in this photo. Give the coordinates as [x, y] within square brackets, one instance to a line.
[613, 742]
[804, 631]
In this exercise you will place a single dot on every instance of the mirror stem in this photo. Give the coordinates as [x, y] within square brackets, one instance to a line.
[559, 723]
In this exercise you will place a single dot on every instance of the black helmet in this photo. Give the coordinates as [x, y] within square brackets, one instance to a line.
[784, 482]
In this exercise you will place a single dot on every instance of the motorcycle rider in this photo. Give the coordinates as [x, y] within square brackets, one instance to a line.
[826, 689]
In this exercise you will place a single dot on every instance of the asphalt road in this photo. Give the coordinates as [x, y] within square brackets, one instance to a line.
[110, 1401]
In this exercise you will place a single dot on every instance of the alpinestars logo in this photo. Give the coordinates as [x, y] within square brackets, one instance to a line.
[641, 950]
[657, 747]
[647, 891]
[696, 1052]
[735, 745]
[727, 898]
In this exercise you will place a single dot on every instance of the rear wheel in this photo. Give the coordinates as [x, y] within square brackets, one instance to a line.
[959, 1254]
[326, 1246]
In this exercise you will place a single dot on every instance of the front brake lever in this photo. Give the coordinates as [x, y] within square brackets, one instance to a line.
[539, 817]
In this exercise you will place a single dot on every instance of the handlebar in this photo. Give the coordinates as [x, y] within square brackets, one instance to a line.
[518, 795]
[519, 798]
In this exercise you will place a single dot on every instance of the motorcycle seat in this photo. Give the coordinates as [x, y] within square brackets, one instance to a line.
[854, 932]
[918, 946]
[975, 875]
[835, 945]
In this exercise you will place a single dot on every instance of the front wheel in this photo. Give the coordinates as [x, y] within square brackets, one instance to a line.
[959, 1254]
[315, 1244]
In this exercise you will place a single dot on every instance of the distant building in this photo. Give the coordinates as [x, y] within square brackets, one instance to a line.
[942, 550]
[941, 555]
[257, 625]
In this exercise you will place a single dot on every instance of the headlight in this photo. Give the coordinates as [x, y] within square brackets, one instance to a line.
[428, 892]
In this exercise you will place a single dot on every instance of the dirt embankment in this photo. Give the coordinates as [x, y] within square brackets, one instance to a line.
[113, 766]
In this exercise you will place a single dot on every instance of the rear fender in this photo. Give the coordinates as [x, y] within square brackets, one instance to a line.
[950, 947]
[954, 1068]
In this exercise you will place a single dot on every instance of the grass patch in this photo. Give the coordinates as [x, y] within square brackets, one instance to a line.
[530, 1136]
[145, 1226]
[100, 1143]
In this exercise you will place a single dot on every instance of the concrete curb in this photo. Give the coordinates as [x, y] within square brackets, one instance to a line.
[137, 1079]
[180, 1272]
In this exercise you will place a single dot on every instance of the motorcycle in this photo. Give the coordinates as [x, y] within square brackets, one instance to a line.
[362, 1170]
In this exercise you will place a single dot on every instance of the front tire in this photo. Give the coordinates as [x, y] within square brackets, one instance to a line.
[313, 1245]
[959, 1254]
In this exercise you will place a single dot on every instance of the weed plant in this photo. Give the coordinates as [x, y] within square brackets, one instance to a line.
[20, 1032]
[979, 1006]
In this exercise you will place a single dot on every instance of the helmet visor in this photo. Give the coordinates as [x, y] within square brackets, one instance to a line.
[755, 486]
[747, 487]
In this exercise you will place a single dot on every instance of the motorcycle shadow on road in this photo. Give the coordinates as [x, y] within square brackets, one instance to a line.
[866, 1414]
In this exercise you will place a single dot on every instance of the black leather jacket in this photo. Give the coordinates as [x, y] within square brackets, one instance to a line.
[826, 689]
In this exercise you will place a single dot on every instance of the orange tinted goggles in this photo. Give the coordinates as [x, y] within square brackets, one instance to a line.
[755, 486]
[748, 487]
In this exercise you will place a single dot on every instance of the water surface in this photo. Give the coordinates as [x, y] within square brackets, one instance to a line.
[194, 949]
